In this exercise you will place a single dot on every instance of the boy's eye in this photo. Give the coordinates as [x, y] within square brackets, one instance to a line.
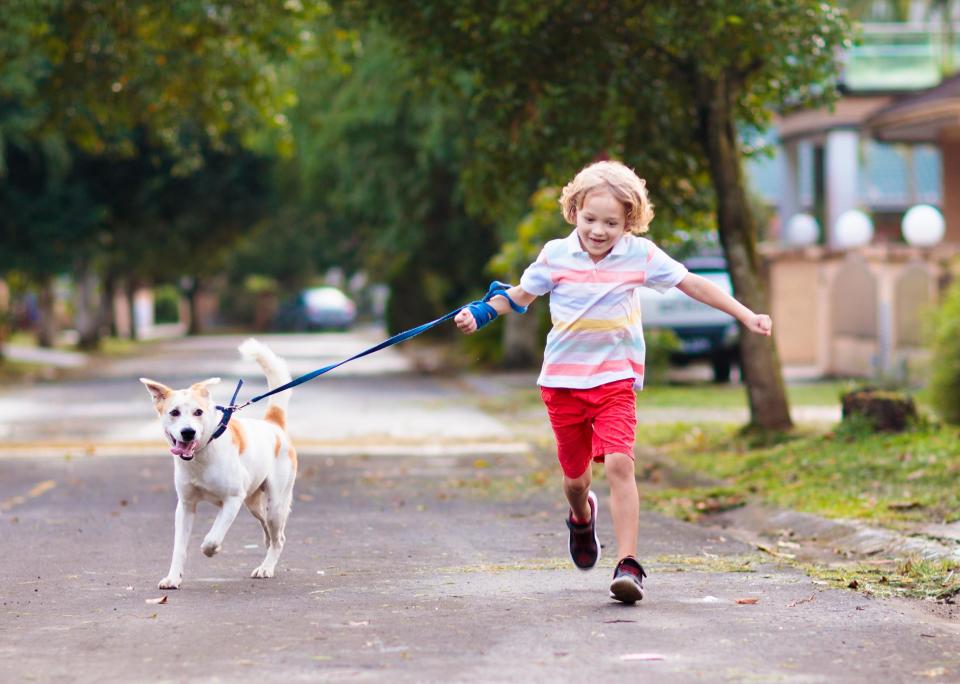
[198, 413]
[175, 412]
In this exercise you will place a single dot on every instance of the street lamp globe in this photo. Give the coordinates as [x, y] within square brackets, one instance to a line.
[853, 229]
[802, 230]
[923, 226]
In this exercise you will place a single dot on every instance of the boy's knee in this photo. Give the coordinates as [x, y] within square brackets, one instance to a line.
[619, 466]
[580, 485]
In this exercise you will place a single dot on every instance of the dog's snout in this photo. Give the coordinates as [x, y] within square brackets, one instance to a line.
[188, 434]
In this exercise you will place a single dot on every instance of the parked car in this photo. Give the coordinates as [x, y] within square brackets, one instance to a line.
[317, 308]
[704, 332]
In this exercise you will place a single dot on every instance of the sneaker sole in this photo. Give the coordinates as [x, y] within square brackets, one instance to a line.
[596, 538]
[625, 589]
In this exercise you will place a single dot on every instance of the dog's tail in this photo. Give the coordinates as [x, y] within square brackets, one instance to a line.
[277, 374]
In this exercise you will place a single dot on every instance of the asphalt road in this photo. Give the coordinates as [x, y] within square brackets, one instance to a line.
[401, 567]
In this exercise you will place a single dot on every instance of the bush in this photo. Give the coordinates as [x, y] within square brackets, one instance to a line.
[166, 304]
[660, 345]
[945, 362]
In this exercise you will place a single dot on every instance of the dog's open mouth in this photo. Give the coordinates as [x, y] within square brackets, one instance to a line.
[184, 450]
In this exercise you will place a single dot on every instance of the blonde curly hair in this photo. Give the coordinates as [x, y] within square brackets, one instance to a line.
[621, 181]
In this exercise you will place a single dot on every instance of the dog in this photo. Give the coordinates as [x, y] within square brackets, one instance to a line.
[253, 462]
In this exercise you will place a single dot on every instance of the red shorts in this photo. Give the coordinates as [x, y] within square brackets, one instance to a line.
[590, 423]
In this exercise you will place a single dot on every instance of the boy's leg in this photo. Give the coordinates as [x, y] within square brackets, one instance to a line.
[624, 502]
[576, 491]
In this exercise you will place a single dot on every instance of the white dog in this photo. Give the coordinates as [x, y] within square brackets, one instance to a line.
[252, 463]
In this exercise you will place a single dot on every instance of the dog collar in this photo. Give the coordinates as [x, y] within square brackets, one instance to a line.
[227, 413]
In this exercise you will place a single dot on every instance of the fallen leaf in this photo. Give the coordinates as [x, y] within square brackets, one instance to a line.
[775, 553]
[934, 672]
[794, 604]
[156, 601]
[853, 584]
[641, 656]
[747, 601]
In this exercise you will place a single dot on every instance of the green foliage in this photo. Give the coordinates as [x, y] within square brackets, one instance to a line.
[94, 73]
[166, 304]
[944, 385]
[660, 345]
[375, 179]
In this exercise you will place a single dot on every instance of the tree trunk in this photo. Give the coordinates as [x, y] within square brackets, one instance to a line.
[760, 365]
[105, 315]
[195, 326]
[5, 316]
[47, 304]
[87, 306]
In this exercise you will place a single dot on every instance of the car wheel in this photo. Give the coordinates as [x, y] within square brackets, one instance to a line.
[721, 368]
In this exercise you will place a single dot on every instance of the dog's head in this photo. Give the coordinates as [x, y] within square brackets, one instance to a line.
[188, 416]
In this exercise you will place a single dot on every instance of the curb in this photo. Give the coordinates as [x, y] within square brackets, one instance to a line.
[761, 525]
[305, 447]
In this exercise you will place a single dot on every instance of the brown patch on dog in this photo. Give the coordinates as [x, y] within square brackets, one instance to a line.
[276, 447]
[236, 434]
[276, 415]
[292, 453]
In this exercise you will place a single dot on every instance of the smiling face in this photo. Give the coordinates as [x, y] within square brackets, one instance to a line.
[187, 416]
[601, 222]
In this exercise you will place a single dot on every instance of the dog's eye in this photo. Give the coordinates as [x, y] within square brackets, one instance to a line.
[175, 412]
[198, 413]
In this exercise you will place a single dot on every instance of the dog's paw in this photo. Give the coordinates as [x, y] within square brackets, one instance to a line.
[210, 548]
[262, 572]
[169, 583]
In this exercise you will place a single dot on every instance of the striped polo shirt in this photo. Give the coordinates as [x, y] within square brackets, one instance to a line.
[597, 336]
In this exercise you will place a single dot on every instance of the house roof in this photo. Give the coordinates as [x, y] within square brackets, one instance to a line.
[921, 117]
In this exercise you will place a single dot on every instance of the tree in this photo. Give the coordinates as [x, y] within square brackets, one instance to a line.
[106, 81]
[665, 86]
[374, 179]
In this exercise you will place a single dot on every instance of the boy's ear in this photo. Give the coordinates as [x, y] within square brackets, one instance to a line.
[201, 387]
[157, 390]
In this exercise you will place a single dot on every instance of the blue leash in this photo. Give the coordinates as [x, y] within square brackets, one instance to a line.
[482, 312]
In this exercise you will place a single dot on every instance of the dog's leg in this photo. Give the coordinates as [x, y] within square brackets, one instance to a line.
[183, 526]
[258, 508]
[278, 509]
[228, 513]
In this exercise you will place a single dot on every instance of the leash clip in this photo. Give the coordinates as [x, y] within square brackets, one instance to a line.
[228, 412]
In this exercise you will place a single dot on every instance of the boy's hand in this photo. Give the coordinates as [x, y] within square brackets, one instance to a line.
[758, 323]
[466, 322]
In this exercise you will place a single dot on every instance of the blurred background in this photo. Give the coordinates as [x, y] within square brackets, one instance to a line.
[177, 168]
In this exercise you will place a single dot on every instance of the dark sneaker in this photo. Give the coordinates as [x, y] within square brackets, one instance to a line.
[627, 585]
[584, 544]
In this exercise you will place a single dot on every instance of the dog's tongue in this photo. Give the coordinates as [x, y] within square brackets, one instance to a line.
[184, 449]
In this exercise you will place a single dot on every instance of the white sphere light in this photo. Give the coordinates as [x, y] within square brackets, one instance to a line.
[923, 226]
[802, 230]
[853, 229]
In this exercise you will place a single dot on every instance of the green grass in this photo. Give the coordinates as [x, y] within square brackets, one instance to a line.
[910, 578]
[883, 478]
[693, 395]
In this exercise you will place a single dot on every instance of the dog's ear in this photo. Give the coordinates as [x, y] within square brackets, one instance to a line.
[201, 387]
[158, 390]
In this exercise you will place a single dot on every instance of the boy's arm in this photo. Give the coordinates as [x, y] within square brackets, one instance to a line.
[705, 291]
[468, 324]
